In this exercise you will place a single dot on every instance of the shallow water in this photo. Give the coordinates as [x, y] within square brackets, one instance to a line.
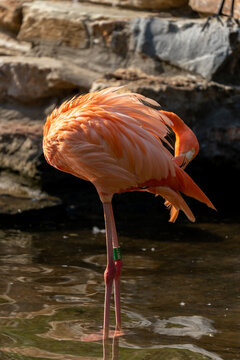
[180, 294]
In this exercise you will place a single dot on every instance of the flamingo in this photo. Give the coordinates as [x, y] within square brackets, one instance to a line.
[116, 141]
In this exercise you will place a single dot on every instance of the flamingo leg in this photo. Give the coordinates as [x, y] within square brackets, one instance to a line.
[118, 266]
[110, 271]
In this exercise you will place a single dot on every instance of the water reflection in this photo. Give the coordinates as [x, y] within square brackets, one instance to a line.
[109, 345]
[180, 301]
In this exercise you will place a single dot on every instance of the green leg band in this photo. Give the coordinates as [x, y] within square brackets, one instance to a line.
[117, 253]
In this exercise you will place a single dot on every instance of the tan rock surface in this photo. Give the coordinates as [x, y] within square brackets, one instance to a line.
[21, 129]
[211, 7]
[144, 4]
[10, 46]
[103, 37]
[53, 22]
[27, 78]
[10, 14]
[65, 23]
[20, 145]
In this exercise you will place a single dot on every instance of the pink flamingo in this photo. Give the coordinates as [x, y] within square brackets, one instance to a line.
[117, 142]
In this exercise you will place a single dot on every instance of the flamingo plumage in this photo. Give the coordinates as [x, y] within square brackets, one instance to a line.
[116, 141]
[185, 150]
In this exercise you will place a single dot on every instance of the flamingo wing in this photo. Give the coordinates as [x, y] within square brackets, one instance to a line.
[112, 140]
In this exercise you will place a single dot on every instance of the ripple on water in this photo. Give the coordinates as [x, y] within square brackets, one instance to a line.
[46, 308]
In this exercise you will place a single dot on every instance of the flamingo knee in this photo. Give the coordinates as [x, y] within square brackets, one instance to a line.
[110, 273]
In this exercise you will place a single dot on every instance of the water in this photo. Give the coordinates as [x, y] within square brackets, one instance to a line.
[180, 293]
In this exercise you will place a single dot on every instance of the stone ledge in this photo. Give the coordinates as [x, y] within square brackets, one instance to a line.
[28, 78]
[144, 4]
[11, 47]
[119, 36]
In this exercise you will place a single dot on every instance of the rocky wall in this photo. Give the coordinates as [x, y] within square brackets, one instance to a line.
[51, 50]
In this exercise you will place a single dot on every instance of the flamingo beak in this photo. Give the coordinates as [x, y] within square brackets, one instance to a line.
[190, 155]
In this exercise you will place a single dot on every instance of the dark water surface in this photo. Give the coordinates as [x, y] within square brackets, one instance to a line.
[180, 294]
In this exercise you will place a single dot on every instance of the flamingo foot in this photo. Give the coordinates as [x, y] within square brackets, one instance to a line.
[99, 336]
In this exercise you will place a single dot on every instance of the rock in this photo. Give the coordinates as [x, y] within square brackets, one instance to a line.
[117, 38]
[64, 24]
[11, 47]
[11, 14]
[20, 146]
[21, 131]
[27, 79]
[105, 33]
[19, 187]
[144, 4]
[113, 34]
[209, 7]
[68, 24]
[211, 109]
[53, 22]
[187, 45]
[21, 202]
